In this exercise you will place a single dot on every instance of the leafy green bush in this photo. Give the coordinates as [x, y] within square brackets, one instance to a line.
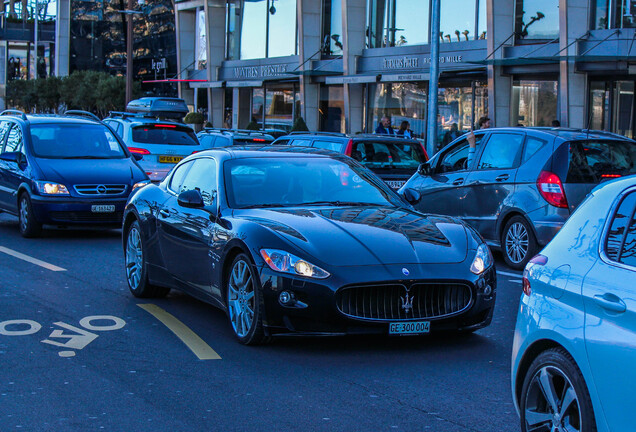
[252, 126]
[194, 118]
[299, 126]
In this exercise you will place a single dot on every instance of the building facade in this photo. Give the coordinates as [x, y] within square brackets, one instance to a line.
[343, 64]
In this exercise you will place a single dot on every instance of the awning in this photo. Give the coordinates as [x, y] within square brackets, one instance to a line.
[253, 83]
[352, 79]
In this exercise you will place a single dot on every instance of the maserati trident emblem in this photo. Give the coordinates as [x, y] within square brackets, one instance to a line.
[406, 271]
[407, 302]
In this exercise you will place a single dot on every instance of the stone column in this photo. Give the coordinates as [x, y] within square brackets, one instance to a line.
[185, 21]
[500, 26]
[309, 14]
[573, 23]
[62, 38]
[215, 35]
[353, 29]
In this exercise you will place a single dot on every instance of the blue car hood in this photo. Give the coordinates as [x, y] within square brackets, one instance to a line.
[355, 236]
[90, 171]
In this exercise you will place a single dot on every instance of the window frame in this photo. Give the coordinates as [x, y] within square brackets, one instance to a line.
[3, 139]
[169, 179]
[518, 157]
[21, 147]
[602, 247]
[202, 160]
[485, 135]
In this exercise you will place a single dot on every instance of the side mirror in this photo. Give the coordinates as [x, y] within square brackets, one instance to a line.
[137, 156]
[191, 199]
[425, 169]
[411, 196]
[10, 156]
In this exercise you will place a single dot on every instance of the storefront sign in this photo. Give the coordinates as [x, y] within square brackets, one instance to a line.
[392, 63]
[405, 77]
[264, 71]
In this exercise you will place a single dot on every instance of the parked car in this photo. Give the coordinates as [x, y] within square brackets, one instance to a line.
[523, 183]
[213, 137]
[574, 347]
[284, 252]
[162, 143]
[393, 159]
[64, 170]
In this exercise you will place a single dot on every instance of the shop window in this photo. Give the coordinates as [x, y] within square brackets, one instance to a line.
[398, 22]
[534, 103]
[599, 105]
[275, 106]
[457, 111]
[332, 28]
[332, 108]
[537, 19]
[623, 108]
[399, 102]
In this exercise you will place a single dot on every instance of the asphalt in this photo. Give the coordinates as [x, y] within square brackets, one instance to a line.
[142, 377]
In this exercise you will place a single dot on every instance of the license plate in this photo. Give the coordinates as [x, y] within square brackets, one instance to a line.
[416, 327]
[170, 159]
[103, 209]
[395, 184]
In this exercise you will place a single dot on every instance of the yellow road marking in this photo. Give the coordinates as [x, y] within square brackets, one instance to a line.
[32, 260]
[197, 345]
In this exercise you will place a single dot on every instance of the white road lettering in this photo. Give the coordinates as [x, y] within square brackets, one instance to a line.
[31, 260]
[34, 327]
[118, 323]
[75, 341]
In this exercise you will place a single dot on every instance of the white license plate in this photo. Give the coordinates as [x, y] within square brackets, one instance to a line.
[413, 327]
[395, 184]
[103, 209]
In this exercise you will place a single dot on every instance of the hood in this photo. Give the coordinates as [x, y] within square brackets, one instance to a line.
[90, 171]
[355, 236]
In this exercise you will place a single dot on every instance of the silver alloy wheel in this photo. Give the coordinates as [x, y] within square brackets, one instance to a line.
[24, 213]
[134, 258]
[552, 404]
[241, 298]
[517, 242]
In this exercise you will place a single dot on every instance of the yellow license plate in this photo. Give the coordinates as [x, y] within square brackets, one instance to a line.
[170, 159]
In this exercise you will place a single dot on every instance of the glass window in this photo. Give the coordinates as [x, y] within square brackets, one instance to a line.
[628, 252]
[4, 128]
[233, 26]
[301, 142]
[599, 105]
[164, 134]
[625, 13]
[501, 152]
[202, 176]
[201, 52]
[617, 230]
[258, 105]
[282, 28]
[454, 159]
[328, 145]
[253, 29]
[400, 102]
[601, 12]
[389, 155]
[483, 20]
[534, 103]
[533, 145]
[595, 161]
[457, 20]
[332, 27]
[14, 141]
[70, 141]
[332, 108]
[279, 106]
[177, 177]
[455, 110]
[537, 19]
[398, 22]
[624, 108]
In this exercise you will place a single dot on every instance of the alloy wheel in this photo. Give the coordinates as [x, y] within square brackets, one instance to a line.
[134, 258]
[24, 214]
[517, 242]
[552, 404]
[241, 298]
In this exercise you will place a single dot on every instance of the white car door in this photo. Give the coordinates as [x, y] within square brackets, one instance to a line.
[609, 295]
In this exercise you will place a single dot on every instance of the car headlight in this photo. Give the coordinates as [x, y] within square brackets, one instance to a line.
[49, 188]
[285, 262]
[141, 184]
[483, 259]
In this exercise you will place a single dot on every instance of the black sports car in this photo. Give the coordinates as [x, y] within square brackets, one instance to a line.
[291, 240]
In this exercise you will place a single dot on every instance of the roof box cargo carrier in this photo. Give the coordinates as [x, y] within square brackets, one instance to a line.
[162, 107]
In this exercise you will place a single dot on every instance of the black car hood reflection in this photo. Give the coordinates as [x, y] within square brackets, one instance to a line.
[355, 236]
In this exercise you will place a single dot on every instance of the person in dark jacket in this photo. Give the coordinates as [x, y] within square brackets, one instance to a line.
[405, 130]
[384, 128]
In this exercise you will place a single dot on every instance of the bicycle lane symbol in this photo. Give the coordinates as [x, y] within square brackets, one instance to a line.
[69, 337]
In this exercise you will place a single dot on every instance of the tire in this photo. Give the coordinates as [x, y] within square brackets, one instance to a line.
[518, 243]
[244, 302]
[27, 223]
[136, 267]
[554, 372]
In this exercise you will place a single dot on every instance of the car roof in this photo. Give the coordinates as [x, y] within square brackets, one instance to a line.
[565, 134]
[347, 137]
[53, 118]
[235, 133]
[268, 150]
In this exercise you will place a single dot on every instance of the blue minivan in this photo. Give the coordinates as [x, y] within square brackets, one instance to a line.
[64, 170]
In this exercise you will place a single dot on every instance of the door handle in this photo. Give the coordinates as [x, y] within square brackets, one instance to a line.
[610, 302]
[502, 177]
[164, 213]
[458, 182]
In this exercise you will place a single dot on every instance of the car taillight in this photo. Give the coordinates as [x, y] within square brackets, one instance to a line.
[610, 176]
[349, 148]
[425, 153]
[551, 189]
[538, 260]
[140, 151]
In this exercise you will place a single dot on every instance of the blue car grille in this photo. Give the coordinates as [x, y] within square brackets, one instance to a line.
[100, 189]
[392, 302]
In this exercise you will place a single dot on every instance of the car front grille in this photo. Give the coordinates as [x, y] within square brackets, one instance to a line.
[390, 302]
[100, 190]
[82, 216]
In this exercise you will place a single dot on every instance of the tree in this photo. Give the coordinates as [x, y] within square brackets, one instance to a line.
[299, 126]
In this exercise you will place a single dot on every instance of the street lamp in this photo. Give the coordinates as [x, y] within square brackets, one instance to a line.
[129, 45]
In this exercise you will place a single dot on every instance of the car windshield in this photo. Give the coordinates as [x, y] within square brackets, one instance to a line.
[75, 141]
[404, 155]
[287, 182]
[164, 134]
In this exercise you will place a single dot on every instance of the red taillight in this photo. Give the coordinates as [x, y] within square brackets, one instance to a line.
[551, 189]
[140, 151]
[258, 140]
[610, 176]
[349, 148]
[526, 285]
[538, 260]
[165, 126]
[425, 153]
[196, 151]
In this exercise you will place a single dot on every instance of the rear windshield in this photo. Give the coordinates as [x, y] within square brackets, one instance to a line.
[75, 141]
[595, 161]
[164, 134]
[406, 155]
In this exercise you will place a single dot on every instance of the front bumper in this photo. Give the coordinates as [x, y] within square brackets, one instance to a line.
[65, 211]
[317, 310]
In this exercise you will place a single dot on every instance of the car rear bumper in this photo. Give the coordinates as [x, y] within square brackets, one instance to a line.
[77, 211]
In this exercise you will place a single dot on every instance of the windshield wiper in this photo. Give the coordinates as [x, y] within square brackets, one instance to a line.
[338, 203]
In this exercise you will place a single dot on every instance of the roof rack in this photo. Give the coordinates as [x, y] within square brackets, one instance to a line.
[14, 112]
[318, 133]
[123, 114]
[80, 113]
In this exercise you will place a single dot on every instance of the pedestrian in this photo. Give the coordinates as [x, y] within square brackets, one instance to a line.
[450, 135]
[384, 128]
[484, 122]
[556, 123]
[405, 130]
